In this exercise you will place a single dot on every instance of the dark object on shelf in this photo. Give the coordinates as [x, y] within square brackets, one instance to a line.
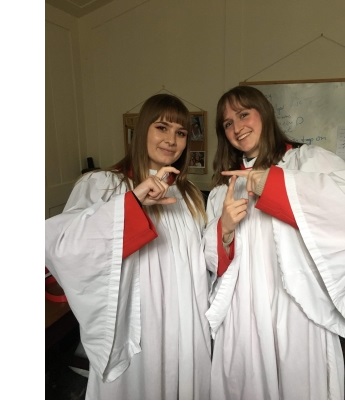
[90, 165]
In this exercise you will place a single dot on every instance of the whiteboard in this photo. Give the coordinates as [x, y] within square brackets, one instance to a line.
[309, 112]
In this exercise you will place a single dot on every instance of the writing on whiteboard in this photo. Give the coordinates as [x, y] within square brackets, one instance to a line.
[290, 123]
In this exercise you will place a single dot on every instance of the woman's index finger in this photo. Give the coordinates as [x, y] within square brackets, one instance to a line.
[243, 173]
[231, 187]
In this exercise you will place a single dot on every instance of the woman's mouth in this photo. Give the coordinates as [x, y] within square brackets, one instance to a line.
[244, 135]
[167, 151]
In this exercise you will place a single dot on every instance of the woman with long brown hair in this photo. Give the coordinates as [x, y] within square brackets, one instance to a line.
[127, 251]
[275, 243]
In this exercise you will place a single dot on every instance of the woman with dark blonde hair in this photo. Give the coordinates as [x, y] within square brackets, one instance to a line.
[136, 166]
[127, 251]
[275, 244]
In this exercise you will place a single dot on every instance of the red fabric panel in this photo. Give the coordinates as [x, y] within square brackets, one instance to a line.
[224, 259]
[274, 200]
[138, 227]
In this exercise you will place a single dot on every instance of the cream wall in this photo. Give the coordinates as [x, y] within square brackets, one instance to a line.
[65, 146]
[117, 56]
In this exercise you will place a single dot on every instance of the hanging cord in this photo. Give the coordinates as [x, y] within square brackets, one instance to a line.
[298, 49]
[333, 41]
[165, 90]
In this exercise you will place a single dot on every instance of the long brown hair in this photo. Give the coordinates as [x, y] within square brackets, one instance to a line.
[135, 165]
[273, 141]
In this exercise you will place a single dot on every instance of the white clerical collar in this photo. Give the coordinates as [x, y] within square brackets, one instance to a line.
[248, 162]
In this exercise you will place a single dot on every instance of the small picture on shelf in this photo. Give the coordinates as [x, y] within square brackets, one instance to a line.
[197, 159]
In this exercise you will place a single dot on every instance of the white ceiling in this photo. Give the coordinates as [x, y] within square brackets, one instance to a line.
[78, 8]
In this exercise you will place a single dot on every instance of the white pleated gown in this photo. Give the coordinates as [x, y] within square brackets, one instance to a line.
[142, 319]
[277, 311]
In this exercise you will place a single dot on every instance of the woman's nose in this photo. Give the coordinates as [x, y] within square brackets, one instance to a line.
[237, 127]
[171, 138]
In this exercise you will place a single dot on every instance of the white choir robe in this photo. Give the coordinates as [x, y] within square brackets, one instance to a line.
[278, 309]
[142, 318]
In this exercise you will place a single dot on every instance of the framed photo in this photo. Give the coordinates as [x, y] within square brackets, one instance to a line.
[198, 160]
[198, 127]
[198, 138]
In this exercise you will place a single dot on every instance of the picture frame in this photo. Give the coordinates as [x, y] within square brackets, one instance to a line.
[198, 139]
[198, 157]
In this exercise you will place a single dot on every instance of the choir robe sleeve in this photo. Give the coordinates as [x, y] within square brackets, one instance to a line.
[224, 257]
[315, 185]
[138, 227]
[84, 252]
[274, 200]
[215, 255]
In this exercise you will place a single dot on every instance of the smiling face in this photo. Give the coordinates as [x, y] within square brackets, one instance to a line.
[166, 142]
[243, 127]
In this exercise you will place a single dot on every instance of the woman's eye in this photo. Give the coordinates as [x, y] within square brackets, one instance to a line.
[227, 124]
[161, 128]
[243, 115]
[183, 134]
